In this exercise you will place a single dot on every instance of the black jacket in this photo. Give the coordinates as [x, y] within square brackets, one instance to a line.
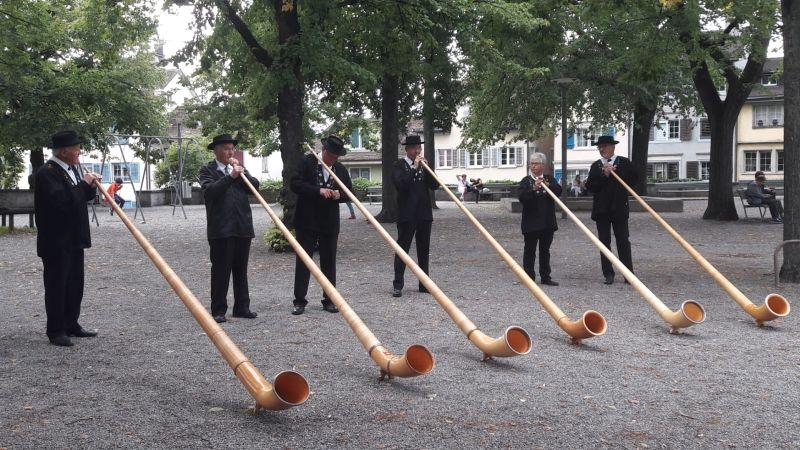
[610, 197]
[413, 198]
[61, 213]
[228, 212]
[538, 207]
[315, 212]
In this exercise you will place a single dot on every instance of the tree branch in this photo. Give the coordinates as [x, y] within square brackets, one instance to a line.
[259, 52]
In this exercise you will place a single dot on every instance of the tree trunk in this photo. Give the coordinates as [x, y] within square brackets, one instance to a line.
[428, 134]
[390, 130]
[720, 189]
[37, 160]
[643, 115]
[790, 270]
[290, 108]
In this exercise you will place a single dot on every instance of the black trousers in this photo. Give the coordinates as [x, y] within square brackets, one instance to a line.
[326, 243]
[544, 238]
[405, 233]
[229, 256]
[63, 290]
[775, 207]
[621, 235]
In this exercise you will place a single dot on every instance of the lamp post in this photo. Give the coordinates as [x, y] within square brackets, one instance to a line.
[562, 87]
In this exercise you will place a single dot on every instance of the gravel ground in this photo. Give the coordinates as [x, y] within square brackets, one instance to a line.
[153, 380]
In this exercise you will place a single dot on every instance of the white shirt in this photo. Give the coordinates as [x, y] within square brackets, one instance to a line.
[325, 173]
[224, 168]
[610, 160]
[409, 161]
[66, 167]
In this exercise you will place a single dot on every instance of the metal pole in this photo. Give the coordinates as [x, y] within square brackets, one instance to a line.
[563, 144]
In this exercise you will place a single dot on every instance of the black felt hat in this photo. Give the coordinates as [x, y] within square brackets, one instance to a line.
[412, 140]
[222, 139]
[605, 140]
[334, 144]
[65, 139]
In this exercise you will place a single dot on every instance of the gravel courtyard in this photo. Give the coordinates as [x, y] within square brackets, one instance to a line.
[152, 379]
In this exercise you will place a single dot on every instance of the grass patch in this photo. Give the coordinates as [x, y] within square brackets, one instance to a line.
[17, 230]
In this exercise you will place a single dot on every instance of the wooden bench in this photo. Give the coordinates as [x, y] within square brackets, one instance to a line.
[372, 197]
[743, 198]
[10, 212]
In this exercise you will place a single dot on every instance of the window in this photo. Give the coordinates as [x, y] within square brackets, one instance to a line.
[359, 172]
[758, 160]
[510, 156]
[780, 160]
[768, 79]
[667, 130]
[705, 129]
[662, 170]
[477, 159]
[584, 137]
[127, 172]
[768, 115]
[444, 157]
[704, 170]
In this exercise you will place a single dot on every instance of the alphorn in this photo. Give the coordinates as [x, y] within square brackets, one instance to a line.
[690, 312]
[417, 360]
[774, 306]
[515, 340]
[290, 388]
[591, 324]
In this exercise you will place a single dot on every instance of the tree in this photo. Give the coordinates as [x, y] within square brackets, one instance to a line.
[712, 55]
[790, 13]
[83, 65]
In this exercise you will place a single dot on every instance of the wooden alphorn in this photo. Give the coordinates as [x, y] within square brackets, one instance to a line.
[417, 360]
[290, 388]
[515, 340]
[774, 306]
[690, 312]
[591, 324]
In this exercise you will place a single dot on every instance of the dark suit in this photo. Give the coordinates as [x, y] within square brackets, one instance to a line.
[538, 224]
[62, 220]
[316, 221]
[229, 230]
[414, 216]
[610, 208]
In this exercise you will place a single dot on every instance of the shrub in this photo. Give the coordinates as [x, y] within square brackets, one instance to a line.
[275, 240]
[270, 185]
[362, 184]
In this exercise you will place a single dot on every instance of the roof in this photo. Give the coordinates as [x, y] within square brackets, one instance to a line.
[765, 93]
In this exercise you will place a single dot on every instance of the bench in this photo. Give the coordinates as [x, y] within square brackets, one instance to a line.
[374, 197]
[743, 198]
[10, 212]
[682, 192]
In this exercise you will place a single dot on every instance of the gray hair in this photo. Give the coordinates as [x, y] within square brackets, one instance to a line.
[540, 156]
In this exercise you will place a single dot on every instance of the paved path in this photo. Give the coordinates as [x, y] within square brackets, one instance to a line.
[153, 380]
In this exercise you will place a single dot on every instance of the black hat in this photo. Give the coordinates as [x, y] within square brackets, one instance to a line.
[222, 139]
[604, 140]
[334, 144]
[412, 140]
[65, 139]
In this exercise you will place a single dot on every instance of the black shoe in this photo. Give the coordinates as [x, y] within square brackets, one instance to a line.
[609, 279]
[246, 315]
[330, 307]
[82, 332]
[424, 290]
[298, 309]
[397, 292]
[550, 282]
[61, 341]
[220, 318]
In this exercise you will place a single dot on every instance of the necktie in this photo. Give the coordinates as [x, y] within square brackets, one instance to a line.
[75, 173]
[226, 170]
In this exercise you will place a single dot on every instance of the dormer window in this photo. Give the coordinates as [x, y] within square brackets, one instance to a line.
[769, 79]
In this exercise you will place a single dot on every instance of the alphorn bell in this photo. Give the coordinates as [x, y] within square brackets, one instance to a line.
[515, 340]
[690, 312]
[774, 306]
[591, 324]
[290, 388]
[417, 360]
